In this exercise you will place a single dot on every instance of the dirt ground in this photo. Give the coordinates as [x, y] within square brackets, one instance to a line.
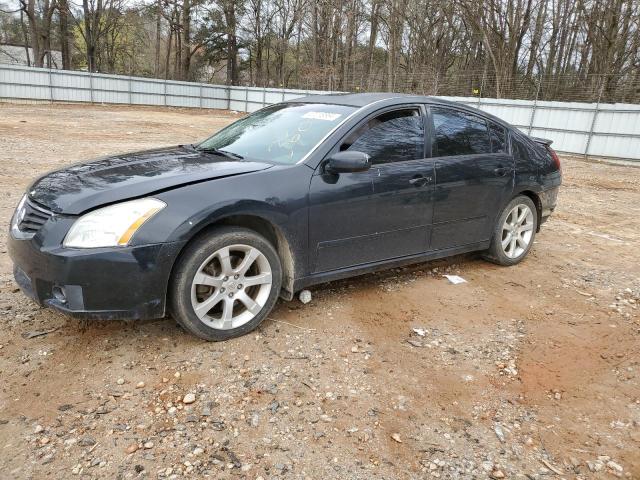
[527, 372]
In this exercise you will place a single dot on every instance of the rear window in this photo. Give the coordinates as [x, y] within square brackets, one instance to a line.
[498, 138]
[459, 133]
[519, 150]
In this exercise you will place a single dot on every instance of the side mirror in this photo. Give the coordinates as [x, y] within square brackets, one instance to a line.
[348, 162]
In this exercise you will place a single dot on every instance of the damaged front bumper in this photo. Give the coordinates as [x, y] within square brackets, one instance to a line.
[102, 283]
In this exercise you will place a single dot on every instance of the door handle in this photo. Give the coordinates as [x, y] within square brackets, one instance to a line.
[501, 171]
[418, 181]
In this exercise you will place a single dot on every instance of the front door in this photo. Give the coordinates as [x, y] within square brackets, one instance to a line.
[383, 213]
[474, 177]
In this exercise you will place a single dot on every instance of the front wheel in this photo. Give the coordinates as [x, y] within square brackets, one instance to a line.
[225, 284]
[514, 232]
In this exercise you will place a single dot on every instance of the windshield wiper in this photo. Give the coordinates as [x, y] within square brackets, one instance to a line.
[224, 153]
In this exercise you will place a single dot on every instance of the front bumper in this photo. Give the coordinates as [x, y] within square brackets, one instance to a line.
[102, 283]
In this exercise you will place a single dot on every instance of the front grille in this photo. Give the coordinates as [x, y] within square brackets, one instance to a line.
[34, 217]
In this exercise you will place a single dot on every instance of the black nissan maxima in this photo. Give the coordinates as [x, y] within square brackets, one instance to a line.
[302, 192]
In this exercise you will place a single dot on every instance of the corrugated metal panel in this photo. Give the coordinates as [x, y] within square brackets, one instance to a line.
[256, 96]
[562, 141]
[21, 82]
[214, 96]
[616, 129]
[610, 146]
[616, 119]
[147, 86]
[183, 94]
[605, 130]
[548, 115]
[274, 96]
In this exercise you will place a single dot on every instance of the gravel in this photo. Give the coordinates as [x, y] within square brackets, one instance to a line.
[515, 374]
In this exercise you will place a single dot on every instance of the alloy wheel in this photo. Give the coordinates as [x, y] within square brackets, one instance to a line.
[231, 286]
[517, 231]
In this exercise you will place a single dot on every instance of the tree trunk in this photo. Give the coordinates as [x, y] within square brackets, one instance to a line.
[232, 42]
[373, 37]
[348, 49]
[91, 24]
[167, 60]
[158, 38]
[536, 38]
[63, 12]
[35, 33]
[186, 40]
[25, 36]
[393, 47]
[314, 35]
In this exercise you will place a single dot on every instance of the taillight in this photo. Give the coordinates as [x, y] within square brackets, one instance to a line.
[555, 158]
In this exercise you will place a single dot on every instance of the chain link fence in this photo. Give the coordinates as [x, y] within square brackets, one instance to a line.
[572, 87]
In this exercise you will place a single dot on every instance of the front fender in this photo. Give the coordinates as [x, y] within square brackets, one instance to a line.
[278, 198]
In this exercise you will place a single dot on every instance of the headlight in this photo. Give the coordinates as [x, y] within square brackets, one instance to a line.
[112, 226]
[18, 215]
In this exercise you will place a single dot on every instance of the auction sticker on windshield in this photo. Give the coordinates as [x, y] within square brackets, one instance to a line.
[330, 117]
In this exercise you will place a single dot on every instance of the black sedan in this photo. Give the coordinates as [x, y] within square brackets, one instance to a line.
[295, 194]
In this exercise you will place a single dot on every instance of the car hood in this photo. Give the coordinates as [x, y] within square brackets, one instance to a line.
[84, 186]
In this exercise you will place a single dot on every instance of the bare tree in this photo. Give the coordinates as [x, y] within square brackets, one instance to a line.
[39, 15]
[505, 48]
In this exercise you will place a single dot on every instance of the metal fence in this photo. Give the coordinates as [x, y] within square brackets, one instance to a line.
[570, 87]
[42, 84]
[597, 129]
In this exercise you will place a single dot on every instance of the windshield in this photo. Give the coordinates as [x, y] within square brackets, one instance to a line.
[282, 133]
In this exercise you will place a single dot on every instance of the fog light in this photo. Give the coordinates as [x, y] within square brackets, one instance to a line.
[58, 294]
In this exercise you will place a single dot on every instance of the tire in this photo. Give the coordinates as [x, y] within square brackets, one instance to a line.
[518, 236]
[214, 298]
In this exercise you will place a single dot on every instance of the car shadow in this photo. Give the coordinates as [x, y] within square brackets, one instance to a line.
[167, 329]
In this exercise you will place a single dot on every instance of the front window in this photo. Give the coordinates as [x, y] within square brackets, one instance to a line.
[282, 133]
[394, 136]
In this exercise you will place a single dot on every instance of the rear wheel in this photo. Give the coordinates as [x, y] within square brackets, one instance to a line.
[225, 284]
[514, 232]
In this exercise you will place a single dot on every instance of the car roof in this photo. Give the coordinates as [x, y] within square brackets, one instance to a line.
[364, 99]
[361, 100]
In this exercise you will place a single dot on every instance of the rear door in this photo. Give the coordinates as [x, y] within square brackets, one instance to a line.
[474, 176]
